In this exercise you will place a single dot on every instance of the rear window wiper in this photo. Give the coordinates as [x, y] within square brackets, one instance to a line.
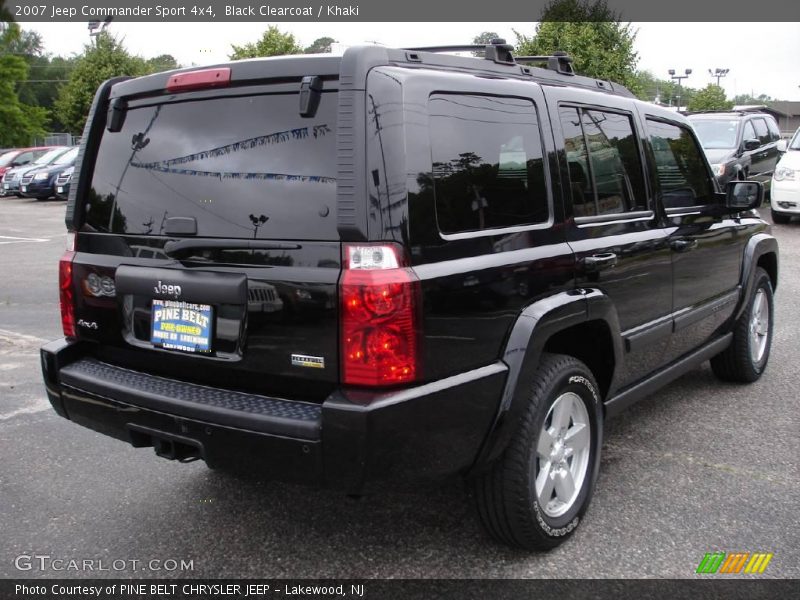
[183, 248]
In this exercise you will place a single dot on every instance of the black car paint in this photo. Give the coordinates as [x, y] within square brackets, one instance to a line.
[483, 331]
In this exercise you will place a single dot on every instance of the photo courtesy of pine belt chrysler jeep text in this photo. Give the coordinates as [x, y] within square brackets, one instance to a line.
[399, 265]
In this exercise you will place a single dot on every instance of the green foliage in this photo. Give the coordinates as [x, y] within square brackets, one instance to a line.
[600, 45]
[485, 37]
[103, 59]
[750, 99]
[665, 91]
[711, 97]
[272, 43]
[320, 46]
[162, 62]
[20, 123]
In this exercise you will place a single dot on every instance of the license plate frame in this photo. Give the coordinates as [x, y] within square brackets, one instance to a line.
[182, 326]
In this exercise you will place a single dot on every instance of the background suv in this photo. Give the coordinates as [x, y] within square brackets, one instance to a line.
[739, 145]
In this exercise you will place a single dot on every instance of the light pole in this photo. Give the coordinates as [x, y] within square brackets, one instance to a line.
[718, 73]
[679, 78]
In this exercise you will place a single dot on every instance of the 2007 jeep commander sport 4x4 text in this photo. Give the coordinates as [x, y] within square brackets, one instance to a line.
[399, 265]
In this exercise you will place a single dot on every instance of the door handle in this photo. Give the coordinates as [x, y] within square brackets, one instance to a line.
[683, 245]
[598, 262]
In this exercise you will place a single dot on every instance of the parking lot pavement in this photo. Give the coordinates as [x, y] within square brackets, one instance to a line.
[698, 467]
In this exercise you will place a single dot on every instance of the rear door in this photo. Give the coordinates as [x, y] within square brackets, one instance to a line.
[208, 247]
[619, 240]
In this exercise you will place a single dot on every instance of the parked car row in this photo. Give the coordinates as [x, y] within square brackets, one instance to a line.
[41, 172]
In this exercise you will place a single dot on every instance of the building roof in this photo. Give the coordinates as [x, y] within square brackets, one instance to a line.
[786, 107]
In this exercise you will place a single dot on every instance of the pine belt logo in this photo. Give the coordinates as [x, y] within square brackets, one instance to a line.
[734, 563]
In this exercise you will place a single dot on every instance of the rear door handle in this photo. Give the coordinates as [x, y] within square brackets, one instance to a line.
[683, 245]
[598, 262]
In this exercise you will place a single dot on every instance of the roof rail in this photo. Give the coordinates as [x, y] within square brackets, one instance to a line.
[498, 51]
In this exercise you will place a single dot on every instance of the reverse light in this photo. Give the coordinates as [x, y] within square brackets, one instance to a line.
[783, 173]
[380, 301]
[66, 289]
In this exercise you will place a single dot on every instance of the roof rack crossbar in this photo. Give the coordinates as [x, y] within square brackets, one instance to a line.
[499, 52]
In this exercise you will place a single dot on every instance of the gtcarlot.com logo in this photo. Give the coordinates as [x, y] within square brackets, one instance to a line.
[46, 562]
[734, 563]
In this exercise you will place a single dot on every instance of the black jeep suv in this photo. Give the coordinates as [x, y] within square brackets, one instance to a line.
[398, 265]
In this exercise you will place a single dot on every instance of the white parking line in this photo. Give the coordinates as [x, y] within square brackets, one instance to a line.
[38, 406]
[16, 240]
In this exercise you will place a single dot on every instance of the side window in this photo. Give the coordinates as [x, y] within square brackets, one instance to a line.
[774, 132]
[749, 132]
[761, 131]
[680, 166]
[487, 162]
[603, 160]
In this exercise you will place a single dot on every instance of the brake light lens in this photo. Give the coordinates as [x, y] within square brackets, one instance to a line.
[204, 78]
[66, 291]
[380, 300]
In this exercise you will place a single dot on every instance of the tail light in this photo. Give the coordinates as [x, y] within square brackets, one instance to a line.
[380, 317]
[66, 291]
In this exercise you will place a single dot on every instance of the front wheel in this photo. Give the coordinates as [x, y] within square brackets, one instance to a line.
[746, 358]
[537, 492]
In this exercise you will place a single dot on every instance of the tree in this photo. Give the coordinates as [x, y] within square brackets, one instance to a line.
[665, 91]
[102, 60]
[162, 62]
[750, 99]
[320, 46]
[711, 97]
[483, 39]
[21, 123]
[272, 43]
[600, 45]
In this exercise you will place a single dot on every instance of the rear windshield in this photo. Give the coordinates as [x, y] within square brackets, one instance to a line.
[243, 167]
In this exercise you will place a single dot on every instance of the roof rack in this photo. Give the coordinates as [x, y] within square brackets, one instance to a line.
[498, 51]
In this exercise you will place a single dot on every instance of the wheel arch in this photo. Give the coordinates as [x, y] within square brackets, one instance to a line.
[560, 324]
[761, 251]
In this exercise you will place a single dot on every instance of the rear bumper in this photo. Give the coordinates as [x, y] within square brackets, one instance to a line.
[350, 441]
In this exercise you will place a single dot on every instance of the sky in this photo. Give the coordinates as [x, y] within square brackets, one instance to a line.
[762, 57]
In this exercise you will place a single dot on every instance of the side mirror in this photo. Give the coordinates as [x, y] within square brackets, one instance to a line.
[751, 144]
[743, 195]
[781, 146]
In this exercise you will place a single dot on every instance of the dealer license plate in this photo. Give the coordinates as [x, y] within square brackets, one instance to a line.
[179, 325]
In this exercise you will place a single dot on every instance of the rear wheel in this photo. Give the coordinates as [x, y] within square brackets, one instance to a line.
[746, 358]
[536, 494]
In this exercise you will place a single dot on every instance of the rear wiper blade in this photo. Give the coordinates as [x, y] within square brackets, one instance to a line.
[183, 248]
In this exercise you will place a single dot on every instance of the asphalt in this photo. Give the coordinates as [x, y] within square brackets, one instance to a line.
[698, 467]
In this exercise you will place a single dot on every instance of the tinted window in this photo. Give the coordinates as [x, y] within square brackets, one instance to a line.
[603, 160]
[774, 132]
[680, 167]
[749, 132]
[227, 162]
[761, 131]
[487, 162]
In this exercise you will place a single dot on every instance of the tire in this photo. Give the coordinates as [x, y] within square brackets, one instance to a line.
[746, 358]
[780, 218]
[510, 506]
